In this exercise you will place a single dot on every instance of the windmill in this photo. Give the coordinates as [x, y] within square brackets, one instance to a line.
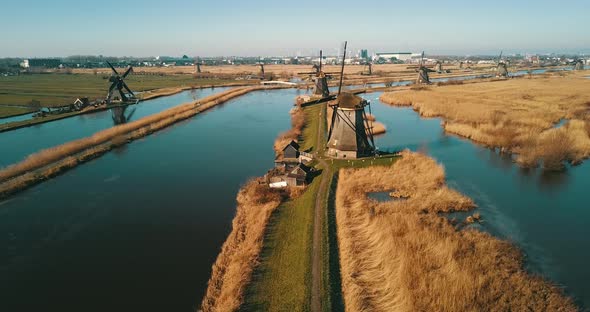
[261, 70]
[320, 81]
[423, 72]
[119, 86]
[578, 65]
[438, 67]
[368, 69]
[501, 67]
[198, 64]
[118, 114]
[350, 135]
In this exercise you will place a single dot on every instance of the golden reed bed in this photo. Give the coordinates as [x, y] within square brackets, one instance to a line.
[516, 115]
[406, 256]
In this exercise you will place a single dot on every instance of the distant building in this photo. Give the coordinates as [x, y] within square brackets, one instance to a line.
[364, 54]
[402, 56]
[41, 63]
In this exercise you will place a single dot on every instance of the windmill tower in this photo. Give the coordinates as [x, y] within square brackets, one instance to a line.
[320, 81]
[350, 135]
[501, 67]
[438, 67]
[261, 71]
[119, 87]
[461, 65]
[368, 69]
[579, 65]
[198, 64]
[423, 72]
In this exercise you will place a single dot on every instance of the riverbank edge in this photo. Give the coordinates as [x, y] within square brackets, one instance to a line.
[103, 141]
[244, 244]
[448, 125]
[365, 261]
[152, 94]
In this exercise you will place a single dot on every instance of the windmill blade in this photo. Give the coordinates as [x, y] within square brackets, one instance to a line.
[113, 68]
[500, 57]
[422, 59]
[342, 70]
[127, 88]
[129, 70]
[113, 86]
[131, 113]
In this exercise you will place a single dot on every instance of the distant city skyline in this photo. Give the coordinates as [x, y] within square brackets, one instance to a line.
[34, 28]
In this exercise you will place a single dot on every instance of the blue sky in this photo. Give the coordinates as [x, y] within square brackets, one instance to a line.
[36, 28]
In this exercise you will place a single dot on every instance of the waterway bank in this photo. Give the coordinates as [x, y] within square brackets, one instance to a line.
[113, 227]
[51, 162]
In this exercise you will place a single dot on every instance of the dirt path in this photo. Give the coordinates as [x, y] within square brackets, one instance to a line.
[316, 262]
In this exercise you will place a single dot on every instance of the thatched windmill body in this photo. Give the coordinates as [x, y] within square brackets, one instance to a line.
[350, 135]
[423, 72]
[501, 67]
[119, 89]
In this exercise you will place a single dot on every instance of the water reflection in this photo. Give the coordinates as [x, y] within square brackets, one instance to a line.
[119, 116]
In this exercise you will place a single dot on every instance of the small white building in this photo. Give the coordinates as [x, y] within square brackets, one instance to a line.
[402, 56]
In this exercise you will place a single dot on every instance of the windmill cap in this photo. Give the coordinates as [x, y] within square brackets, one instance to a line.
[349, 100]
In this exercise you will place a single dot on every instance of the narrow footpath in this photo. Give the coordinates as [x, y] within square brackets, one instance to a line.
[316, 262]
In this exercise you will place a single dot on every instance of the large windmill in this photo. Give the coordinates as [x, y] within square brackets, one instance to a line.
[119, 87]
[350, 134]
[501, 67]
[423, 72]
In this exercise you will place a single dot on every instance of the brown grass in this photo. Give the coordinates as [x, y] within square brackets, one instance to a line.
[239, 254]
[514, 115]
[406, 256]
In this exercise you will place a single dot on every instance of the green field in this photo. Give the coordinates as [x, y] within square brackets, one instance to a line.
[53, 90]
[7, 111]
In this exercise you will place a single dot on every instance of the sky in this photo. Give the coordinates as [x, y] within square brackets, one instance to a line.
[41, 28]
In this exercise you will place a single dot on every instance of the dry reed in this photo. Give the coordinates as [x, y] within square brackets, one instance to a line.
[239, 254]
[406, 256]
[514, 115]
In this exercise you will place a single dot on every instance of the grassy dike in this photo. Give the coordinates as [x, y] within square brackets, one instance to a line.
[283, 278]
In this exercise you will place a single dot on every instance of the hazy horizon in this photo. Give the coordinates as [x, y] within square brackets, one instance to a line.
[231, 28]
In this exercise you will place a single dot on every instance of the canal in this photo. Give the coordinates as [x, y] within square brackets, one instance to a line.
[139, 228]
[545, 214]
[25, 141]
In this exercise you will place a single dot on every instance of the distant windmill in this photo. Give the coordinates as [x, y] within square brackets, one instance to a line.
[423, 72]
[350, 135]
[367, 69]
[461, 65]
[578, 65]
[198, 64]
[119, 86]
[438, 67]
[261, 70]
[501, 67]
[320, 81]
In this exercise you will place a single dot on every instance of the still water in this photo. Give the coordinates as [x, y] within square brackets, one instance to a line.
[139, 228]
[546, 215]
[18, 144]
